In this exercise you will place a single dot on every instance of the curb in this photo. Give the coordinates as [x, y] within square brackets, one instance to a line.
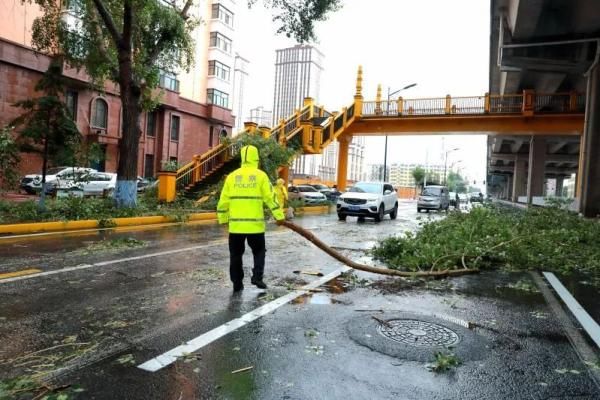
[65, 226]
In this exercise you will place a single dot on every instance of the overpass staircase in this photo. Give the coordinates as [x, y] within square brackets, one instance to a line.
[310, 130]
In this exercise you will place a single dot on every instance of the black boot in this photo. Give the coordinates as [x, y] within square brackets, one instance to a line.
[258, 282]
[238, 287]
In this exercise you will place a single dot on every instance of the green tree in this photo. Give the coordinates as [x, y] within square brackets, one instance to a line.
[296, 18]
[456, 183]
[46, 126]
[418, 174]
[9, 158]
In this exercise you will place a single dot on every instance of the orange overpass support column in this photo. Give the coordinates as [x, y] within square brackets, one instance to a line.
[537, 165]
[342, 170]
[284, 173]
[519, 184]
[590, 143]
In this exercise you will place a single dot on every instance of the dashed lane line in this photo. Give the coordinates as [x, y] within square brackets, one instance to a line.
[110, 262]
[205, 339]
[124, 260]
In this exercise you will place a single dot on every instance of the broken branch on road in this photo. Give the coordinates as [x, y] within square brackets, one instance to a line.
[317, 242]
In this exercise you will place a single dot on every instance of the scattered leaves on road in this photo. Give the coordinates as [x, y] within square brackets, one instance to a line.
[126, 359]
[444, 361]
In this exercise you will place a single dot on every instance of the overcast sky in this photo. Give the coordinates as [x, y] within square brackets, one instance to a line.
[441, 45]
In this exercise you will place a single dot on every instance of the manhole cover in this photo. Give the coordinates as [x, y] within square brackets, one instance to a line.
[416, 337]
[418, 333]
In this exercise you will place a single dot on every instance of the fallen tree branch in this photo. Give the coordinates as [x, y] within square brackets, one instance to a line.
[317, 242]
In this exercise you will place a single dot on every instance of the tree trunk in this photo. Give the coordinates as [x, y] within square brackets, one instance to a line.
[42, 203]
[126, 190]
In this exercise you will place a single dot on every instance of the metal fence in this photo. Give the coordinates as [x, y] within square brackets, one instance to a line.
[494, 104]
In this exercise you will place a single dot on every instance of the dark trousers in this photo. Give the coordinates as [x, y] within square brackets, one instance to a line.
[237, 246]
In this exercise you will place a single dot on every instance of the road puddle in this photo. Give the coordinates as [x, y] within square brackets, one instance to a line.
[315, 298]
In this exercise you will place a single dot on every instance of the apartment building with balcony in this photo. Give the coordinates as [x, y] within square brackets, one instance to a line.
[194, 106]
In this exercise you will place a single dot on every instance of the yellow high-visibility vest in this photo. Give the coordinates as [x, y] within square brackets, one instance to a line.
[245, 191]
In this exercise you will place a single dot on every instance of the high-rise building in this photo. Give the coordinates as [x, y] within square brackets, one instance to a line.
[298, 75]
[240, 74]
[261, 117]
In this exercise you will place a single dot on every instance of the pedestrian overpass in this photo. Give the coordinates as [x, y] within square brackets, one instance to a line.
[312, 128]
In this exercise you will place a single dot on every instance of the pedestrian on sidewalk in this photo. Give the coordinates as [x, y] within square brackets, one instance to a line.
[241, 206]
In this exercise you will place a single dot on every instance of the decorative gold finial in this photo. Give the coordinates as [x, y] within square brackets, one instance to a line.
[378, 92]
[359, 81]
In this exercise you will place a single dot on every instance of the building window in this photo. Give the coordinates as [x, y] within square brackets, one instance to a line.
[100, 114]
[218, 69]
[217, 97]
[168, 80]
[222, 14]
[175, 128]
[220, 41]
[71, 103]
[149, 166]
[151, 124]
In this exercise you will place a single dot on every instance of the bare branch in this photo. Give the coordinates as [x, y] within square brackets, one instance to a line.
[101, 46]
[108, 21]
[161, 42]
[186, 8]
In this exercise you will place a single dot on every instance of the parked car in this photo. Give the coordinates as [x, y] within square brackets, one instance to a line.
[326, 190]
[368, 199]
[464, 199]
[433, 197]
[145, 183]
[306, 193]
[32, 183]
[92, 184]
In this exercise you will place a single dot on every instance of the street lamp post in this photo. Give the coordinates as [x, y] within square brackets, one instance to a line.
[446, 163]
[389, 95]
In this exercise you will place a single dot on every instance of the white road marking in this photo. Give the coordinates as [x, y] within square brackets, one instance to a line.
[587, 322]
[122, 260]
[197, 343]
[110, 262]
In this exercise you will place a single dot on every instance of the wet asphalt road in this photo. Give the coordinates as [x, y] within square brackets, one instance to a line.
[92, 326]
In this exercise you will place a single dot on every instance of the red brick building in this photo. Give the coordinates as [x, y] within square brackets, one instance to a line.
[178, 129]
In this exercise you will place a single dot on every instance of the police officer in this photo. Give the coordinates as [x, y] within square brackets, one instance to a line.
[241, 206]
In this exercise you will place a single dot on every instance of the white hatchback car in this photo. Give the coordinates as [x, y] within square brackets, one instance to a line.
[368, 199]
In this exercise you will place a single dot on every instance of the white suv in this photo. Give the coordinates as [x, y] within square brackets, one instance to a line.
[368, 199]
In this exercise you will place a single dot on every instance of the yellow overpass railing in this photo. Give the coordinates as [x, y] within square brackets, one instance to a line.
[526, 103]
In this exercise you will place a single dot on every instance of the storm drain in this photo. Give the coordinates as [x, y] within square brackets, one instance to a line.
[412, 336]
[418, 333]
